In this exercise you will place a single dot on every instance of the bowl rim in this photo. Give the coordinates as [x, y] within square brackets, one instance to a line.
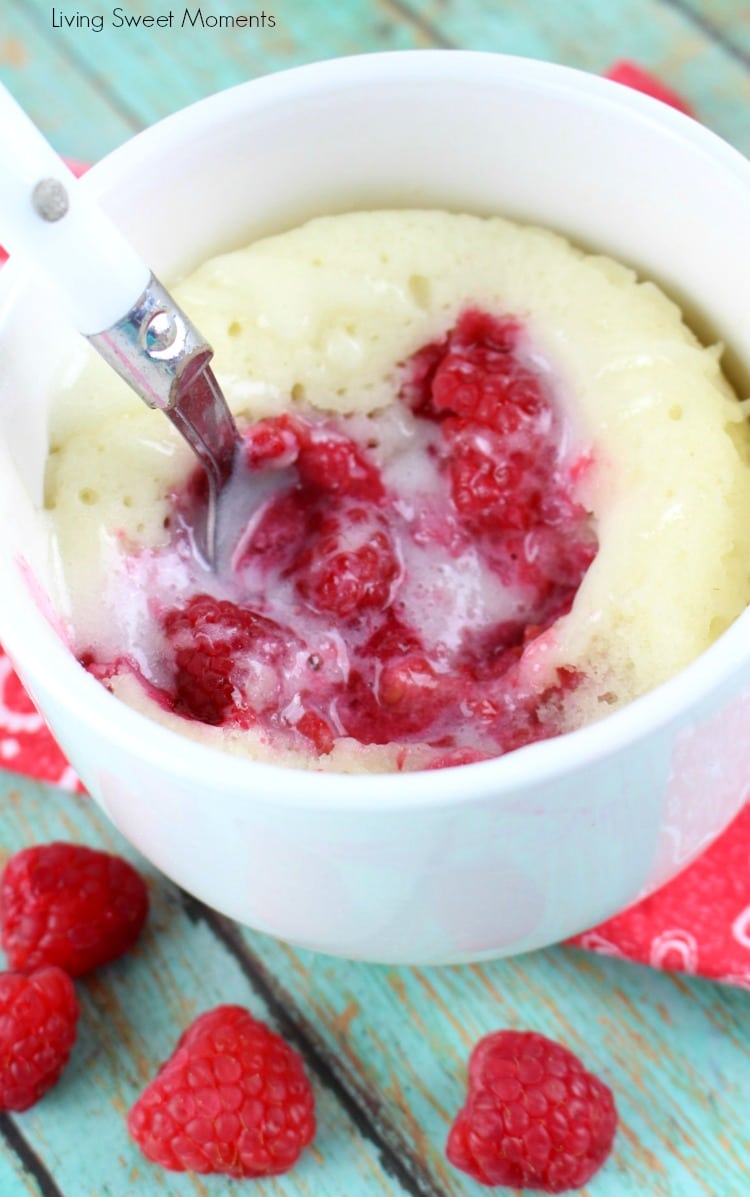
[45, 660]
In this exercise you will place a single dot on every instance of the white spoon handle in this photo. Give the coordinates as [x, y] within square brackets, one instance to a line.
[49, 220]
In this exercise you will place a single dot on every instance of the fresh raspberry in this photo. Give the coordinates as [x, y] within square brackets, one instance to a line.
[351, 565]
[38, 1019]
[634, 76]
[534, 1118]
[217, 647]
[233, 1098]
[71, 906]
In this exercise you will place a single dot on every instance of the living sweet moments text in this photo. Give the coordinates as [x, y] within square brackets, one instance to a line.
[178, 18]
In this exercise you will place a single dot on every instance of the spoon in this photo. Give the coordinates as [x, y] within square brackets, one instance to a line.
[54, 226]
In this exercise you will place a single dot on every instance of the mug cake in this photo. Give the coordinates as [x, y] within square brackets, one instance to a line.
[511, 496]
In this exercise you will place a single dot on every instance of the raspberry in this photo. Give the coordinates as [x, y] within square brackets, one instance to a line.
[534, 1117]
[350, 566]
[416, 388]
[396, 692]
[391, 638]
[495, 485]
[481, 377]
[283, 526]
[70, 906]
[333, 463]
[217, 646]
[38, 1019]
[397, 702]
[274, 442]
[634, 76]
[316, 729]
[233, 1098]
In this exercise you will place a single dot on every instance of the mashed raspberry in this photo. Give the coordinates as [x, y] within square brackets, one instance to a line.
[510, 479]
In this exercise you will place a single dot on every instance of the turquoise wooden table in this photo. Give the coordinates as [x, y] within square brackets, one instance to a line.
[385, 1047]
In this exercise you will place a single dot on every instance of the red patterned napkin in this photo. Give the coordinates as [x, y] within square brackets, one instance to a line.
[698, 923]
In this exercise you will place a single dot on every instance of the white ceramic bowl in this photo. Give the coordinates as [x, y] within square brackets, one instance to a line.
[462, 863]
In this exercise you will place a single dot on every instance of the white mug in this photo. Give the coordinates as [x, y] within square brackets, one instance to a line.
[455, 864]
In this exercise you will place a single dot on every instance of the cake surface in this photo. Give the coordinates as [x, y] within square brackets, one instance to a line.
[537, 472]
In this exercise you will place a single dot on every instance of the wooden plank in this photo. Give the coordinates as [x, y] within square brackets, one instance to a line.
[131, 1016]
[662, 36]
[725, 20]
[20, 1172]
[77, 118]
